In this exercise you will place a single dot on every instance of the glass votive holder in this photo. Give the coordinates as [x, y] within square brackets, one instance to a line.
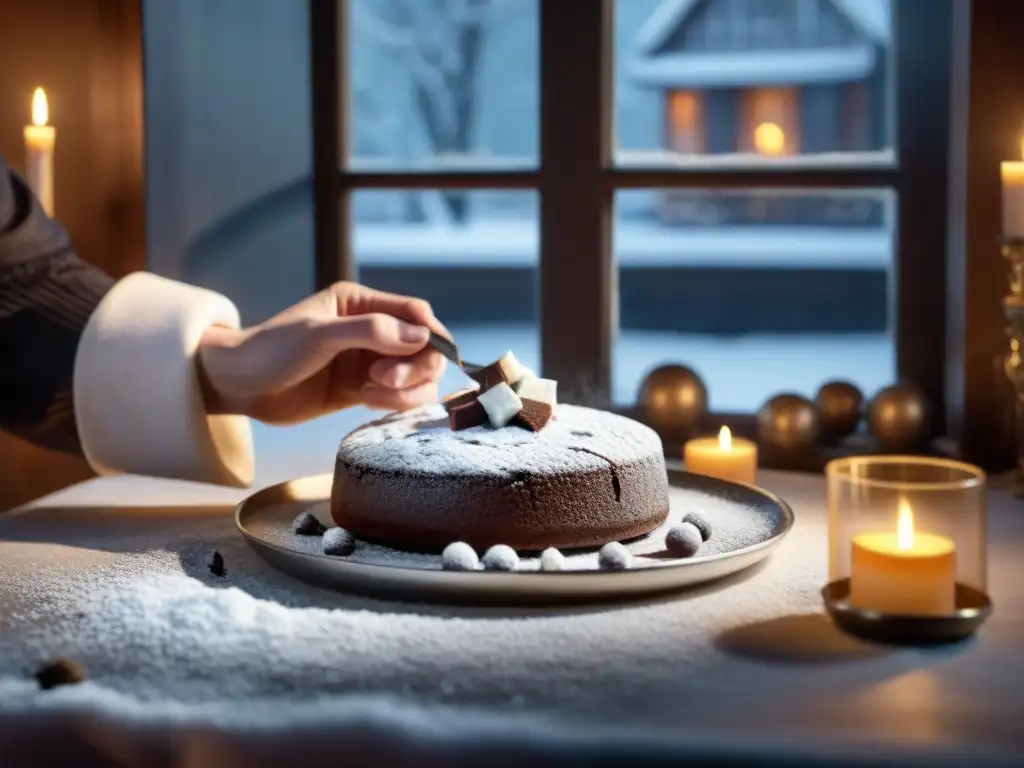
[907, 550]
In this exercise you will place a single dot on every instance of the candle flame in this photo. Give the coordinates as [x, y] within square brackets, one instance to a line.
[724, 439]
[904, 526]
[40, 109]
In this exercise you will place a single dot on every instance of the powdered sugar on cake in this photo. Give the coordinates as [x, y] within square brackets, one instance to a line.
[421, 442]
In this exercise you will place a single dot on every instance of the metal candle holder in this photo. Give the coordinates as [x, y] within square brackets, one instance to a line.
[1013, 361]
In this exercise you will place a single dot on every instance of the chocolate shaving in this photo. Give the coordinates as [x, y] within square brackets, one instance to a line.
[467, 415]
[534, 415]
[461, 397]
[503, 370]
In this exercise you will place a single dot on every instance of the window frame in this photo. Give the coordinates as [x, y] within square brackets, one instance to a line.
[576, 179]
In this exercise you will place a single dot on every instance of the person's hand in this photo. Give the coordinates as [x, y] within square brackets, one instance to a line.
[347, 345]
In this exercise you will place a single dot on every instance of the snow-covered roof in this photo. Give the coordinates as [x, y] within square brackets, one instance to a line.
[757, 68]
[872, 17]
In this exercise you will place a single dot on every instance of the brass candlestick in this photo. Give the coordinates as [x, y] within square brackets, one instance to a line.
[1013, 362]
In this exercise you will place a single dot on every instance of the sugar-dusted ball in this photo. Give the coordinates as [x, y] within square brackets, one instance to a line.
[459, 556]
[338, 541]
[699, 522]
[552, 560]
[500, 557]
[683, 540]
[614, 557]
[307, 524]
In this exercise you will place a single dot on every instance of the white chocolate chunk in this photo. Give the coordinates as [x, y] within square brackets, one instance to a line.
[527, 374]
[513, 369]
[501, 404]
[542, 390]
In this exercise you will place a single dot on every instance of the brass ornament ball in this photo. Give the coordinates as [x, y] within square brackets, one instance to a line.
[673, 397]
[787, 422]
[899, 418]
[840, 408]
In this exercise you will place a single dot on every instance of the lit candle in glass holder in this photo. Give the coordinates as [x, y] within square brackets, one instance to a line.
[725, 457]
[907, 558]
[903, 572]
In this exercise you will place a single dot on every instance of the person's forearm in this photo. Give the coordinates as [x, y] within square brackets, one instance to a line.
[47, 295]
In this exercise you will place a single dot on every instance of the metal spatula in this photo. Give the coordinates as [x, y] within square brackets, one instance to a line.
[447, 348]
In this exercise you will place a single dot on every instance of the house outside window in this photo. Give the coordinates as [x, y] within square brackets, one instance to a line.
[772, 78]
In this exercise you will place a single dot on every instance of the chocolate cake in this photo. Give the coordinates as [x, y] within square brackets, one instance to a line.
[587, 478]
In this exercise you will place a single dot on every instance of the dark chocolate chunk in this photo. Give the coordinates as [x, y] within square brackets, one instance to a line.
[59, 672]
[471, 414]
[338, 541]
[307, 524]
[461, 397]
[534, 415]
[217, 565]
[506, 370]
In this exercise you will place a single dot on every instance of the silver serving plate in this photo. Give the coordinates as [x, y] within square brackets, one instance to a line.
[265, 519]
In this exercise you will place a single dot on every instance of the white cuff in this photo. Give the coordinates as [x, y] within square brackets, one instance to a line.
[137, 396]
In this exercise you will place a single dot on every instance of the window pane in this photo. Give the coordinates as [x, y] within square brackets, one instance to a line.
[443, 83]
[762, 78]
[480, 276]
[759, 292]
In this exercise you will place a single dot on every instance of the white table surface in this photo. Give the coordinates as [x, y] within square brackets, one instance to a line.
[112, 572]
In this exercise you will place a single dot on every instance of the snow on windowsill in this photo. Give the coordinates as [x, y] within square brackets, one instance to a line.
[637, 245]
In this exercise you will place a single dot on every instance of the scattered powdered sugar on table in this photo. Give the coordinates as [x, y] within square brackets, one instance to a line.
[734, 526]
[421, 441]
[134, 601]
[129, 594]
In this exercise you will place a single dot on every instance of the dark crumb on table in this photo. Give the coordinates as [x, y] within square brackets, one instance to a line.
[59, 672]
[217, 565]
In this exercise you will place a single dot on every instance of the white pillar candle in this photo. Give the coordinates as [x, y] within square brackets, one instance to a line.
[1013, 198]
[725, 457]
[39, 142]
[904, 573]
